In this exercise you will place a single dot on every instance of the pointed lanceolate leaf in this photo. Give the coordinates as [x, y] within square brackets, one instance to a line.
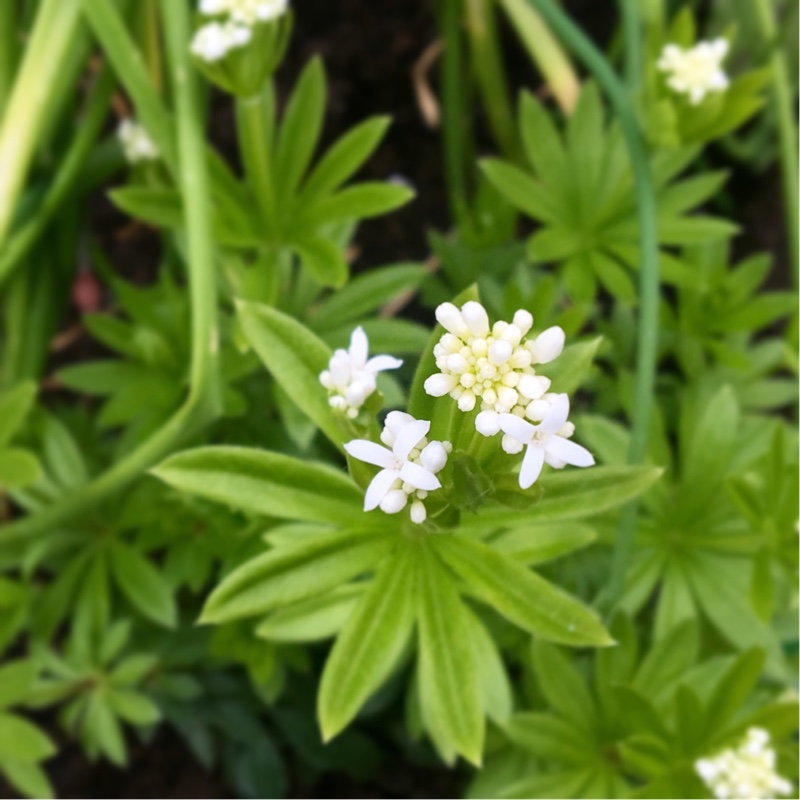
[450, 690]
[290, 574]
[18, 468]
[324, 261]
[369, 646]
[295, 357]
[522, 596]
[266, 483]
[14, 407]
[143, 585]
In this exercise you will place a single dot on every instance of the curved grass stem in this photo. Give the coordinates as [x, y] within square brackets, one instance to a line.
[647, 351]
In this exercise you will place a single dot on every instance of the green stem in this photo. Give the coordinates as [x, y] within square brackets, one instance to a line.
[23, 239]
[454, 128]
[202, 402]
[787, 131]
[647, 351]
[29, 105]
[9, 50]
[488, 66]
[632, 35]
[255, 121]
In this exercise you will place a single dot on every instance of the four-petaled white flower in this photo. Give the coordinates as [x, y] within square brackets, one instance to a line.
[546, 441]
[215, 40]
[745, 771]
[697, 71]
[492, 364]
[245, 12]
[408, 465]
[350, 377]
[136, 144]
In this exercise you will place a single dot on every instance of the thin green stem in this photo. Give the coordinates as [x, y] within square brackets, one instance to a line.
[787, 131]
[647, 351]
[632, 35]
[255, 125]
[203, 400]
[23, 239]
[454, 128]
[29, 104]
[488, 66]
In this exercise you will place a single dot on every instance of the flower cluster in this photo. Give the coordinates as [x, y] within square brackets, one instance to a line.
[350, 377]
[136, 144]
[409, 464]
[697, 71]
[216, 39]
[745, 771]
[497, 366]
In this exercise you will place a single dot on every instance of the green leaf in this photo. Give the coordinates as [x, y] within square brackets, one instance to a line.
[16, 680]
[564, 688]
[344, 158]
[498, 698]
[542, 142]
[735, 687]
[450, 690]
[522, 596]
[549, 737]
[357, 202]
[101, 730]
[324, 261]
[290, 574]
[30, 779]
[370, 645]
[668, 659]
[365, 293]
[18, 468]
[133, 707]
[267, 483]
[300, 129]
[21, 741]
[313, 619]
[571, 368]
[520, 189]
[14, 407]
[295, 357]
[143, 585]
[533, 544]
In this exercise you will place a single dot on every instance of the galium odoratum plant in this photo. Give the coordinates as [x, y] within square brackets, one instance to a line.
[341, 560]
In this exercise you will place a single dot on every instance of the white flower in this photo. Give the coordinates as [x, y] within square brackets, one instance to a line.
[494, 365]
[350, 377]
[546, 441]
[215, 40]
[245, 12]
[745, 771]
[136, 144]
[408, 469]
[697, 71]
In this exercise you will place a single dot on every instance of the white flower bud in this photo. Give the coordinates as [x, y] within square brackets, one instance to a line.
[489, 396]
[433, 457]
[536, 410]
[449, 317]
[523, 320]
[466, 402]
[548, 345]
[476, 318]
[487, 423]
[533, 386]
[440, 384]
[467, 380]
[418, 512]
[511, 445]
[450, 343]
[520, 358]
[567, 429]
[507, 398]
[394, 501]
[500, 352]
[457, 363]
[512, 334]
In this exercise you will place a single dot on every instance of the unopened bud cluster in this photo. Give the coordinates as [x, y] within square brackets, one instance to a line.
[136, 143]
[744, 771]
[495, 365]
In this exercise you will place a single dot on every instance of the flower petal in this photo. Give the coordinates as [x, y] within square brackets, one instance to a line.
[378, 488]
[517, 427]
[531, 466]
[359, 348]
[419, 477]
[557, 415]
[369, 452]
[568, 451]
[381, 363]
[408, 436]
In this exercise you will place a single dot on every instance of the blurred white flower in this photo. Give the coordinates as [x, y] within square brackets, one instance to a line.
[494, 365]
[136, 144]
[697, 71]
[744, 771]
[245, 12]
[215, 40]
[350, 377]
[548, 441]
[408, 465]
